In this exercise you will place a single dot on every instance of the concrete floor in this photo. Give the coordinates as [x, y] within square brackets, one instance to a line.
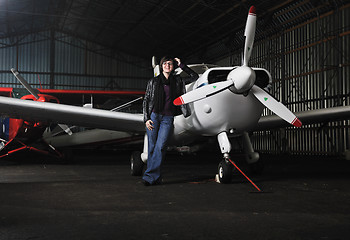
[96, 198]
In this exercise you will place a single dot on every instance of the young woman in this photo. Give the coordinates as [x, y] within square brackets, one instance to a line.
[159, 112]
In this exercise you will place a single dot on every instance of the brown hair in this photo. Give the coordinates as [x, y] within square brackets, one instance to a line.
[165, 59]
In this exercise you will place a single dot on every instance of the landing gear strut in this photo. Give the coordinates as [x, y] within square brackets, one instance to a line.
[225, 169]
[138, 160]
[256, 166]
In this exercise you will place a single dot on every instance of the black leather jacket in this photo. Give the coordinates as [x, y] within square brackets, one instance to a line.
[148, 101]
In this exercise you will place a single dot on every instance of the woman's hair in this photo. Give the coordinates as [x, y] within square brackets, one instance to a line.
[165, 59]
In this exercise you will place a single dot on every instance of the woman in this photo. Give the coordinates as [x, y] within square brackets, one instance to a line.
[159, 112]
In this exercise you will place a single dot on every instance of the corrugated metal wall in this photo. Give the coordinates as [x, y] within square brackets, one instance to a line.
[56, 60]
[309, 64]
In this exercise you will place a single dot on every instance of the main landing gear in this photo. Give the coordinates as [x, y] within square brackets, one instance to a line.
[138, 159]
[136, 164]
[225, 168]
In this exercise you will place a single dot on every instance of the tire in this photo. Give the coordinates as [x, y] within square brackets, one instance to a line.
[136, 164]
[225, 172]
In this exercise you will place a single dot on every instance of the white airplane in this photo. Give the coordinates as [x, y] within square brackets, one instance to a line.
[223, 101]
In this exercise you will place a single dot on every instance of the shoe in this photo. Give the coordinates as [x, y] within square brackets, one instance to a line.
[159, 181]
[145, 183]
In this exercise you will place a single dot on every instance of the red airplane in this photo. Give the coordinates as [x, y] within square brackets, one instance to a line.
[18, 134]
[21, 134]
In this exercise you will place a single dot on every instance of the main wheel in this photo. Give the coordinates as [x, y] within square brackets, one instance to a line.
[136, 164]
[225, 172]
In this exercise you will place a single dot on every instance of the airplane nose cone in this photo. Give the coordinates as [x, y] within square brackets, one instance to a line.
[243, 78]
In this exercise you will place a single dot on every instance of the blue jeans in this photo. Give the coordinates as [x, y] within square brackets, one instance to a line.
[157, 140]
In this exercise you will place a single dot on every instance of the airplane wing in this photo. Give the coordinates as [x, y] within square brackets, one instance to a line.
[307, 117]
[120, 121]
[90, 92]
[67, 114]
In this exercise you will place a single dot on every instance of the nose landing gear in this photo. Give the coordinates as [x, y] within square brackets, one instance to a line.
[225, 171]
[226, 166]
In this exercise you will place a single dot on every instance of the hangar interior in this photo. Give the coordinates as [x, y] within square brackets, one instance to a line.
[108, 45]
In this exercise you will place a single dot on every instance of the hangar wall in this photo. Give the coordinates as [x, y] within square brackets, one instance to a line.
[310, 67]
[56, 60]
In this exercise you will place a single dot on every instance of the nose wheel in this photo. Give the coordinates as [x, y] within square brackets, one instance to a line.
[225, 171]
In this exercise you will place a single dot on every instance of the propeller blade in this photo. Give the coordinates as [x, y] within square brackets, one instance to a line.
[249, 34]
[278, 108]
[24, 83]
[203, 92]
[156, 68]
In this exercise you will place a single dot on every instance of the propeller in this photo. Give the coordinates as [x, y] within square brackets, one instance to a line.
[24, 83]
[278, 108]
[33, 92]
[241, 80]
[202, 92]
[156, 68]
[249, 35]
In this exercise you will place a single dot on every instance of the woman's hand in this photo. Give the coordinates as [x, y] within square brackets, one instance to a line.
[149, 125]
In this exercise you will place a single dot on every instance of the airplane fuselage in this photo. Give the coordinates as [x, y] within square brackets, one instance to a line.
[223, 112]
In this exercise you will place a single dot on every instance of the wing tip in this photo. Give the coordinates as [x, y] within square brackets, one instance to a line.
[296, 122]
[178, 101]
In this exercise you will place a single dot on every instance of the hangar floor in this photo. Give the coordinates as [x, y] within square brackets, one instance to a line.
[96, 198]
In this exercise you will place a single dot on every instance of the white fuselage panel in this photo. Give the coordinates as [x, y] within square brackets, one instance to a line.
[221, 112]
